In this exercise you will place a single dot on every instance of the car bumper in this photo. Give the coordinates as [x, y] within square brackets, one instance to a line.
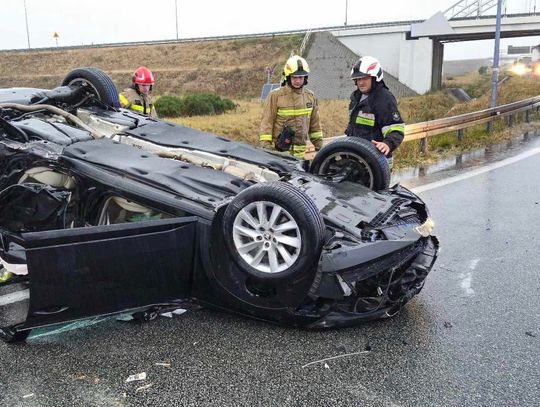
[376, 290]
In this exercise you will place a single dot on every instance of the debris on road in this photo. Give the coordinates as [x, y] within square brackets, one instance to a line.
[162, 364]
[170, 314]
[27, 396]
[124, 317]
[335, 357]
[143, 387]
[136, 377]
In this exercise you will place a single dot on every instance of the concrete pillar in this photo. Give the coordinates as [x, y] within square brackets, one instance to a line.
[415, 64]
[436, 73]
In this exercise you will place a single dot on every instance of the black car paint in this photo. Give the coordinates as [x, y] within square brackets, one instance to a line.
[373, 237]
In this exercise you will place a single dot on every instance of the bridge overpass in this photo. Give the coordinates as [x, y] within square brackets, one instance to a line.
[412, 51]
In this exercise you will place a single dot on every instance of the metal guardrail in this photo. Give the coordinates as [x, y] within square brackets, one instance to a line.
[423, 130]
[214, 38]
[244, 36]
[304, 42]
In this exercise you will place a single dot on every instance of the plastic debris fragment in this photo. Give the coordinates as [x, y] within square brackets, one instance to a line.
[136, 377]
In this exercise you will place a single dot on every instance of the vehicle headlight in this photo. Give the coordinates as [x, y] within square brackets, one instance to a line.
[425, 228]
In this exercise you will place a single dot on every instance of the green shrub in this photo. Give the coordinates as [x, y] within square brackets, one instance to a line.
[483, 70]
[197, 104]
[169, 106]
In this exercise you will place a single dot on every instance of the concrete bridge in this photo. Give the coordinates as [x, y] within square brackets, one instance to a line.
[411, 52]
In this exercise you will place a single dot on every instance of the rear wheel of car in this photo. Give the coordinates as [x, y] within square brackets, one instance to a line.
[353, 159]
[273, 231]
[96, 82]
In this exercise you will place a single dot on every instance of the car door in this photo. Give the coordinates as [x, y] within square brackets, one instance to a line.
[100, 270]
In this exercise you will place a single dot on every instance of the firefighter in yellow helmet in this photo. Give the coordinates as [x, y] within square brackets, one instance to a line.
[291, 113]
[137, 97]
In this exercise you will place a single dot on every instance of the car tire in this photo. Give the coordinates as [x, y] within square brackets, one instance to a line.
[273, 232]
[97, 83]
[353, 159]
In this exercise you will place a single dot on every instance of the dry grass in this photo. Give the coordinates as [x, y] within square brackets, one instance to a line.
[514, 89]
[234, 68]
[243, 124]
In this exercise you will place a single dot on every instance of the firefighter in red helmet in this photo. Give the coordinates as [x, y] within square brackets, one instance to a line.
[137, 97]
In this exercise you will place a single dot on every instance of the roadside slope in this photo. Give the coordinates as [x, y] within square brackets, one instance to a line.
[234, 68]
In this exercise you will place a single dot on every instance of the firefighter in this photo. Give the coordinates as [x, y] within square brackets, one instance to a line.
[373, 111]
[291, 113]
[137, 96]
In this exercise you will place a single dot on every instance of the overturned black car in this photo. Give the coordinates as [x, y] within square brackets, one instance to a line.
[103, 211]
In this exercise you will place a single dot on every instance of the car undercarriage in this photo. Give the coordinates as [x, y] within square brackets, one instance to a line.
[104, 211]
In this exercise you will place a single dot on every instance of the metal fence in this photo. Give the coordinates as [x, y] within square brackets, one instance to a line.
[421, 131]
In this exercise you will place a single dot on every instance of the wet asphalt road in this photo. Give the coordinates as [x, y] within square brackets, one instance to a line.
[471, 338]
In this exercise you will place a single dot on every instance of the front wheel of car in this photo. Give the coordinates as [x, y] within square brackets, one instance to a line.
[95, 82]
[353, 159]
[273, 231]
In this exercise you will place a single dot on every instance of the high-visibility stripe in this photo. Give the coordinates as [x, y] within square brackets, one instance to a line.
[137, 108]
[298, 150]
[123, 100]
[316, 135]
[400, 128]
[295, 112]
[265, 137]
[365, 122]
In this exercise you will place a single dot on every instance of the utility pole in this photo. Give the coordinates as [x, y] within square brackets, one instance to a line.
[176, 15]
[27, 30]
[346, 8]
[495, 69]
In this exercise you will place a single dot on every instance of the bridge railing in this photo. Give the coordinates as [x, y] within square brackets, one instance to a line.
[421, 131]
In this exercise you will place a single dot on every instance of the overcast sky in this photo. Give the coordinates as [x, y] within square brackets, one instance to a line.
[108, 21]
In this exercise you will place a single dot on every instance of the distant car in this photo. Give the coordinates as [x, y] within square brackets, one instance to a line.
[104, 211]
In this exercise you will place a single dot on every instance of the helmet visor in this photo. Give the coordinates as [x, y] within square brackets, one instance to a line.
[300, 72]
[357, 74]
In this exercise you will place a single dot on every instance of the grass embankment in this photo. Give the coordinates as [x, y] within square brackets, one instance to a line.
[243, 123]
[233, 68]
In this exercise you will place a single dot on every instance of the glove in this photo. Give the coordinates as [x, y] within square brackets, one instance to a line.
[317, 144]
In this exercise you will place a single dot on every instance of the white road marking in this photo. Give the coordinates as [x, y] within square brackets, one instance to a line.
[474, 173]
[14, 297]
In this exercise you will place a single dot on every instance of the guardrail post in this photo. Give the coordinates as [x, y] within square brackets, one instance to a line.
[423, 145]
[527, 116]
[460, 134]
[510, 120]
[489, 126]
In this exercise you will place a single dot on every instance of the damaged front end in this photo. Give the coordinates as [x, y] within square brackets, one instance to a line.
[376, 289]
[373, 269]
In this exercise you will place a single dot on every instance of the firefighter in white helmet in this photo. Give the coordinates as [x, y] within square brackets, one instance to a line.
[291, 113]
[373, 111]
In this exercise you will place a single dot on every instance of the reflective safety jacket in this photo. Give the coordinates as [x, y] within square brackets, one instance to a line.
[297, 109]
[138, 102]
[375, 116]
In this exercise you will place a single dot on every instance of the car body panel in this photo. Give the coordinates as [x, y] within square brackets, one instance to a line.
[84, 272]
[80, 262]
